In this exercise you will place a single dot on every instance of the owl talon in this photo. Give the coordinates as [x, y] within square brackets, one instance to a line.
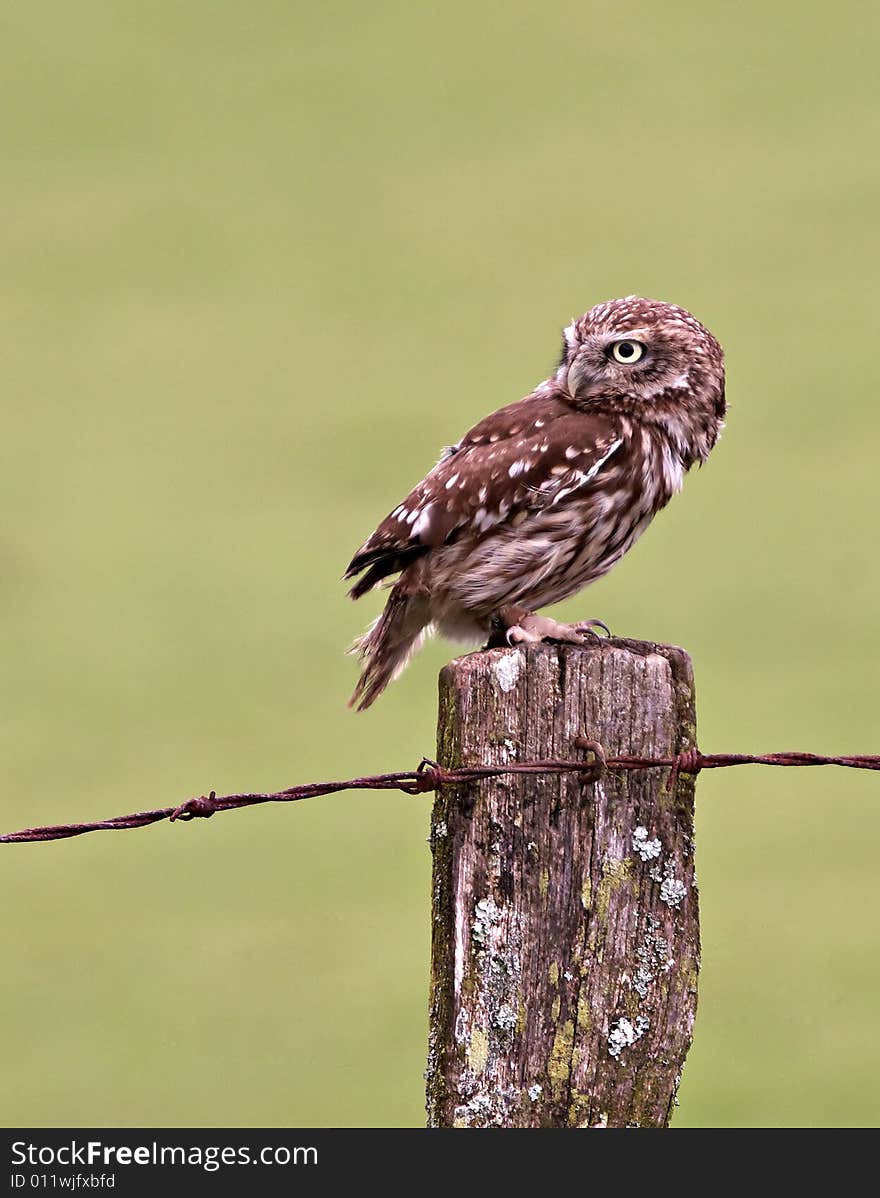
[530, 629]
[591, 626]
[521, 636]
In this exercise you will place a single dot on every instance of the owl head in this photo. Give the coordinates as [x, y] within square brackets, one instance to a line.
[650, 360]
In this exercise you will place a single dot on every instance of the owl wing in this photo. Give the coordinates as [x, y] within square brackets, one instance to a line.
[511, 463]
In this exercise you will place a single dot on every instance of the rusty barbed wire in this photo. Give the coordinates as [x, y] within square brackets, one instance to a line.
[429, 776]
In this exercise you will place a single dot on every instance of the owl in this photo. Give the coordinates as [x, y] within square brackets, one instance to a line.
[545, 495]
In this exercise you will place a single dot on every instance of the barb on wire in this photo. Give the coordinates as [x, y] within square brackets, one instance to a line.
[430, 776]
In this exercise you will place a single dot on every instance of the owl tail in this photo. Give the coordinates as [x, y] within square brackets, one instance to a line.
[388, 644]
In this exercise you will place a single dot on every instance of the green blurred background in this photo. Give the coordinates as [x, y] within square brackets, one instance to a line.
[259, 262]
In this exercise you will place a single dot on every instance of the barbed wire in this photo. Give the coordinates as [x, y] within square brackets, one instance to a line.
[429, 776]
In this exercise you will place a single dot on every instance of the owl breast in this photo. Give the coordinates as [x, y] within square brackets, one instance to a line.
[550, 553]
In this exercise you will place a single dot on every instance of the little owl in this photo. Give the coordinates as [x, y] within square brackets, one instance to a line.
[545, 495]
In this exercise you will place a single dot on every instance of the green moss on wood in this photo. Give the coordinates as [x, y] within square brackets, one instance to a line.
[559, 1065]
[614, 875]
[584, 1016]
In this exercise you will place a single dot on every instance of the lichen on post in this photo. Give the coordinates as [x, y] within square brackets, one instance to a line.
[565, 943]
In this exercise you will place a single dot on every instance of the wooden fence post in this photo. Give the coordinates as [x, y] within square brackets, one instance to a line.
[565, 943]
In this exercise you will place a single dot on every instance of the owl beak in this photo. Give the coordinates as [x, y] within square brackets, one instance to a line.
[582, 382]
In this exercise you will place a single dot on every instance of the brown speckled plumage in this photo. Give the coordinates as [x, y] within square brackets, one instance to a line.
[544, 496]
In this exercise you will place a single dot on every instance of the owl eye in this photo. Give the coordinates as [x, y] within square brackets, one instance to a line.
[627, 352]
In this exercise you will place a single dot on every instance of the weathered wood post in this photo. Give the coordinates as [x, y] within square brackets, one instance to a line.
[565, 942]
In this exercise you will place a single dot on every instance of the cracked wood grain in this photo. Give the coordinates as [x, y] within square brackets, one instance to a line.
[565, 937]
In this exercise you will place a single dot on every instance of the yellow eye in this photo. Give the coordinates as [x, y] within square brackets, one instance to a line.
[627, 352]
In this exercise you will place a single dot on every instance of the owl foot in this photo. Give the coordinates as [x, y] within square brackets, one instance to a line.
[530, 629]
